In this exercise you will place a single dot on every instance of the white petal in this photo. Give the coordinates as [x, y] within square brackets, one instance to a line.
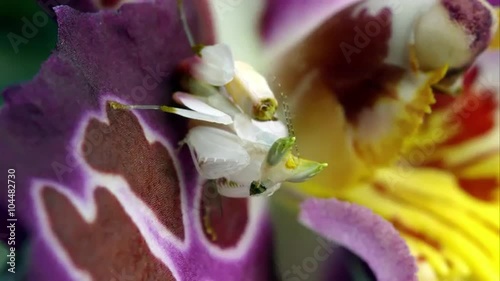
[216, 153]
[217, 65]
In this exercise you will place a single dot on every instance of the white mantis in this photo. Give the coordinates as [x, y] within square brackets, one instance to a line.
[248, 152]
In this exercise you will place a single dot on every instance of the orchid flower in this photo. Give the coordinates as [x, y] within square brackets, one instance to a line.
[104, 193]
[406, 117]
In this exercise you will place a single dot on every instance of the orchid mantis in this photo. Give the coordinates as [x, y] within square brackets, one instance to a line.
[249, 152]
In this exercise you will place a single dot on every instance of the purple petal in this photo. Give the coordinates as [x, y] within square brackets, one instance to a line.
[103, 193]
[365, 234]
[494, 2]
[289, 20]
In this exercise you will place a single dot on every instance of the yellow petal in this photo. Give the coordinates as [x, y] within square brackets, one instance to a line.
[431, 255]
[429, 206]
[495, 42]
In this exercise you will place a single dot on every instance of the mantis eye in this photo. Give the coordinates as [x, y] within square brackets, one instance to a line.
[279, 149]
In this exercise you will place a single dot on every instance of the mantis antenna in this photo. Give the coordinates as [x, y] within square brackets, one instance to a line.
[182, 13]
[286, 113]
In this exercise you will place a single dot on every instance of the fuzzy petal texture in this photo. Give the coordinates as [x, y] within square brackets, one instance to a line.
[364, 233]
[105, 194]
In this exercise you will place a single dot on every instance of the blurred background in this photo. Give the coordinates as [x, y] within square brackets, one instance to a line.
[27, 37]
[26, 40]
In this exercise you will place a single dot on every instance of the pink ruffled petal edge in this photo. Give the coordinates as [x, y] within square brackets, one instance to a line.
[366, 234]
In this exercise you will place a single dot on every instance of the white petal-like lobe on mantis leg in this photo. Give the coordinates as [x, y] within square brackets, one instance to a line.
[232, 189]
[216, 153]
[243, 178]
[191, 114]
[197, 104]
[259, 132]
